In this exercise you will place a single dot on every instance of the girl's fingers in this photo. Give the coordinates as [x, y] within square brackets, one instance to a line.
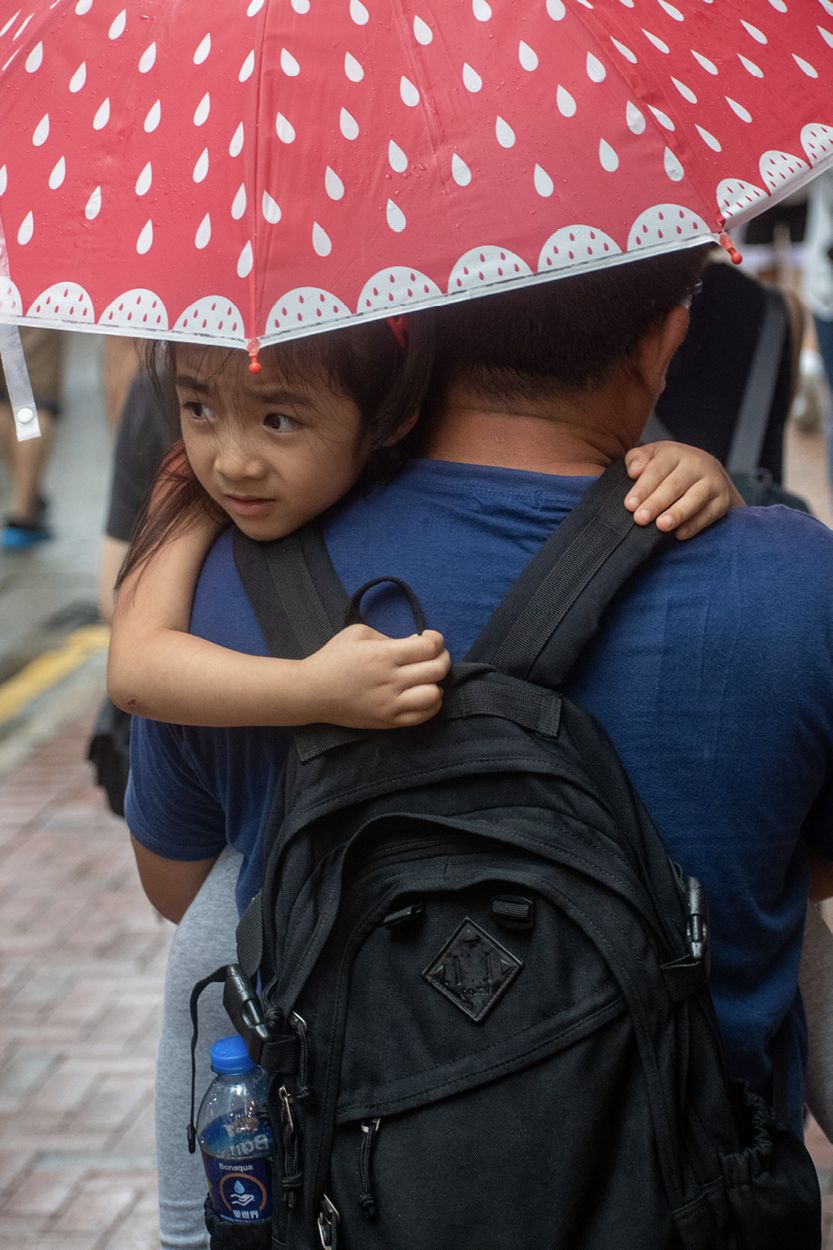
[675, 491]
[418, 704]
[659, 471]
[687, 507]
[638, 457]
[713, 511]
[426, 673]
[418, 648]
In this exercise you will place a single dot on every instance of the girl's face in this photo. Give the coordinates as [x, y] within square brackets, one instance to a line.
[272, 450]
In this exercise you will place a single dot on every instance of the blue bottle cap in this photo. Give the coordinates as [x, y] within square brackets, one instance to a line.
[230, 1057]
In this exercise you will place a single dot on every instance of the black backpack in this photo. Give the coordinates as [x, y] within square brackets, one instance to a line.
[483, 998]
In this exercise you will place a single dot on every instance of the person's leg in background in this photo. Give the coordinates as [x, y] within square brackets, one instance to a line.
[824, 338]
[204, 940]
[25, 523]
[120, 362]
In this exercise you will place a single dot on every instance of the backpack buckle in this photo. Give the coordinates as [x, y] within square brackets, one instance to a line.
[697, 921]
[244, 1010]
[328, 1219]
[274, 1052]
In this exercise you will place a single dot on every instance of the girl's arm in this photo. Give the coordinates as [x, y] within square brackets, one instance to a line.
[360, 679]
[682, 488]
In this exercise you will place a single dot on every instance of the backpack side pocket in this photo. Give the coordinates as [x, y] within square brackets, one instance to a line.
[225, 1235]
[771, 1184]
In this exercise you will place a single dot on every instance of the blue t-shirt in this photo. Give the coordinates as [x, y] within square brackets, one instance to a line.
[713, 677]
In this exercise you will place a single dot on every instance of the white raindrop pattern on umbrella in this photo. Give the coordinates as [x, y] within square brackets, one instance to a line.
[67, 301]
[212, 318]
[305, 308]
[483, 266]
[139, 310]
[571, 246]
[359, 135]
[398, 288]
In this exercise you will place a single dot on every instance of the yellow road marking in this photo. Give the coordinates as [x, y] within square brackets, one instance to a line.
[50, 668]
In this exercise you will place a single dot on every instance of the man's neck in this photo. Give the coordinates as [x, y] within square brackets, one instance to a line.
[570, 438]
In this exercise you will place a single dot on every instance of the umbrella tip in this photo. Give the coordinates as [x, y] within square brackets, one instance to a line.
[253, 348]
[728, 246]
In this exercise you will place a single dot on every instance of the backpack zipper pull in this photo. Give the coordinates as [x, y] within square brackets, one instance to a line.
[299, 1025]
[292, 1177]
[328, 1218]
[367, 1198]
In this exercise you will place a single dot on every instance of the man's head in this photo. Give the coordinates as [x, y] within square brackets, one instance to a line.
[568, 340]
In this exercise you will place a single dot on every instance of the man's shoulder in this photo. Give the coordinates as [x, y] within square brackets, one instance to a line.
[778, 534]
[768, 565]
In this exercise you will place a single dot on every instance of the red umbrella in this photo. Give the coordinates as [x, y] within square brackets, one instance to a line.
[251, 170]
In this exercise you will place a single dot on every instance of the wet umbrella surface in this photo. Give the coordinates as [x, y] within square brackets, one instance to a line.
[247, 169]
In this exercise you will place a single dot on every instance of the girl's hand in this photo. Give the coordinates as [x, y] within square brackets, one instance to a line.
[364, 680]
[682, 488]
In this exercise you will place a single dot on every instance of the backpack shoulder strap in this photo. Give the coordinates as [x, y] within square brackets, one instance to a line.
[544, 621]
[299, 603]
[294, 590]
[554, 607]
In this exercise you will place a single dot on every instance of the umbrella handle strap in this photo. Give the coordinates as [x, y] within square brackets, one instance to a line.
[17, 384]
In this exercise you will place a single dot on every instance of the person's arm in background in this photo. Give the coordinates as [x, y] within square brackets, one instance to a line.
[821, 878]
[171, 885]
[146, 430]
[111, 557]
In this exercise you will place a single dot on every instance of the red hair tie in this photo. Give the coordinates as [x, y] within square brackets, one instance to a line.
[399, 329]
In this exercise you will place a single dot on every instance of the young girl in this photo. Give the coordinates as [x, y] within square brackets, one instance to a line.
[316, 419]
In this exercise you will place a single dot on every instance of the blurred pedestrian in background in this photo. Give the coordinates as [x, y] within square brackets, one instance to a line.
[147, 425]
[25, 523]
[818, 277]
[119, 363]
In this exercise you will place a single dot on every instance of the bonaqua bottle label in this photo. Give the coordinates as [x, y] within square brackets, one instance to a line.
[240, 1186]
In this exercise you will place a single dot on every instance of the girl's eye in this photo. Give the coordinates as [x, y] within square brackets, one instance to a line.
[198, 411]
[280, 422]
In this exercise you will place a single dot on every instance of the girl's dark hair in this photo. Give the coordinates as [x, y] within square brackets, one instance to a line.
[366, 362]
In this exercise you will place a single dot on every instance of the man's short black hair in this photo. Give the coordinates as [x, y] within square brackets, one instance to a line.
[564, 334]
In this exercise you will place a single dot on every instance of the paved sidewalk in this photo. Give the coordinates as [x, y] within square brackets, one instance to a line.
[81, 966]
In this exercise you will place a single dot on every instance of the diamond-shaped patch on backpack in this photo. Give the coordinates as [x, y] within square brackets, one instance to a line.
[473, 970]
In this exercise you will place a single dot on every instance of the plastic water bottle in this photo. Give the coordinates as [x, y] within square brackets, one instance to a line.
[235, 1135]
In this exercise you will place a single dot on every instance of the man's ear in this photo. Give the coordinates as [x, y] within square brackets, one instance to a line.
[655, 350]
[401, 430]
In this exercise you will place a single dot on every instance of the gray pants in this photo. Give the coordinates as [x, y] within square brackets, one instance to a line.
[817, 988]
[203, 941]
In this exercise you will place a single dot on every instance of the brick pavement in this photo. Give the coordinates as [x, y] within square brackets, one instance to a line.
[81, 966]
